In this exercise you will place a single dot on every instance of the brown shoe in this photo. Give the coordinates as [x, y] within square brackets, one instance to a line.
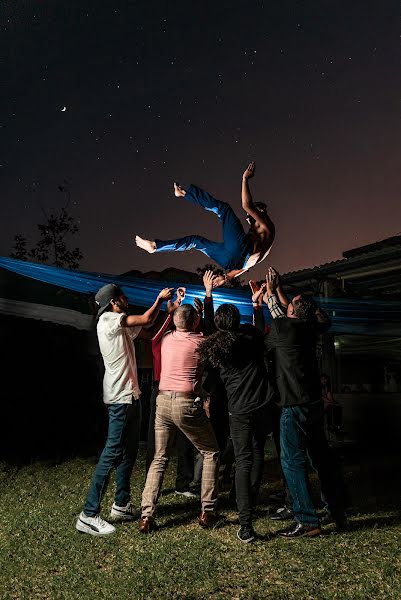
[146, 524]
[207, 519]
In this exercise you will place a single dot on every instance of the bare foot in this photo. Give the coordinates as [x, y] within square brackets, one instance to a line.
[178, 190]
[147, 245]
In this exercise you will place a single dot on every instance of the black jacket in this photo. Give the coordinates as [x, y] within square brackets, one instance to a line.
[291, 345]
[244, 373]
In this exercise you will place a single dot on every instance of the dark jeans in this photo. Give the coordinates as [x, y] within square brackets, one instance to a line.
[276, 415]
[334, 416]
[303, 440]
[219, 417]
[185, 449]
[248, 436]
[120, 451]
[236, 246]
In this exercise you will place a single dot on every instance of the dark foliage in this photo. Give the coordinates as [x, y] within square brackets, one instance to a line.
[52, 246]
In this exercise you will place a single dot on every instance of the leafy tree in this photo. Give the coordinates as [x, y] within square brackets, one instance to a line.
[52, 246]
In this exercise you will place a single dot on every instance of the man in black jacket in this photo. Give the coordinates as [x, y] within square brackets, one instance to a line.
[292, 344]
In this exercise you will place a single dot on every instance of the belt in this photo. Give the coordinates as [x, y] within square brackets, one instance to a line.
[177, 394]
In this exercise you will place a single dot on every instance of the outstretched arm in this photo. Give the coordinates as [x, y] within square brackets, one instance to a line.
[257, 297]
[270, 297]
[246, 196]
[148, 317]
[155, 335]
[261, 218]
[210, 280]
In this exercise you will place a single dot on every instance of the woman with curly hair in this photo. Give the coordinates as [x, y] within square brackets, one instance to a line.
[237, 351]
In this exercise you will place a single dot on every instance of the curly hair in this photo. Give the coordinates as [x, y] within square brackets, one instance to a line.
[222, 348]
[219, 349]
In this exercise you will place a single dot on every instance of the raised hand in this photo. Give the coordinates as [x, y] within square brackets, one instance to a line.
[219, 280]
[208, 278]
[276, 274]
[257, 291]
[249, 171]
[198, 304]
[271, 281]
[172, 306]
[166, 294]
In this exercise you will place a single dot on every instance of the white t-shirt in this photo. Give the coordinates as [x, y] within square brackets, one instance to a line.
[120, 381]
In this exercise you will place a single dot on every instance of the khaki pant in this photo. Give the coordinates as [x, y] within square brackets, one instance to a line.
[191, 419]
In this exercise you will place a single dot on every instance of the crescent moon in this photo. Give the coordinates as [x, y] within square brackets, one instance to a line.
[64, 109]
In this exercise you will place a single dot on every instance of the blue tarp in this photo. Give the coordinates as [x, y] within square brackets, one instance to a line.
[349, 316]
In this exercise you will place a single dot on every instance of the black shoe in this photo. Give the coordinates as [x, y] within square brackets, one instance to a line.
[246, 534]
[300, 530]
[340, 520]
[282, 514]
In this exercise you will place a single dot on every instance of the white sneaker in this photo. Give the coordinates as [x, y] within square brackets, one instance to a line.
[93, 525]
[187, 494]
[122, 513]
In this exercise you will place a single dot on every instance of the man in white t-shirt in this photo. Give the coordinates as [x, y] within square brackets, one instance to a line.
[116, 331]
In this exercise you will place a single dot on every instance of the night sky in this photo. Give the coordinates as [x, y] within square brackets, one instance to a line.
[162, 91]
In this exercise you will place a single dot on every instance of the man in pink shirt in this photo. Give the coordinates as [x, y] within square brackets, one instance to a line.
[185, 449]
[178, 406]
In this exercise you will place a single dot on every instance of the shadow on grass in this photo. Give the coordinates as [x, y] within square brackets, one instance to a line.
[376, 522]
[184, 519]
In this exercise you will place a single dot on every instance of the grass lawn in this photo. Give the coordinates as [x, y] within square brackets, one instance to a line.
[43, 556]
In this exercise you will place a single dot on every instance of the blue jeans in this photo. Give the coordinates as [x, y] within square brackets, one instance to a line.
[120, 451]
[236, 247]
[303, 440]
[248, 435]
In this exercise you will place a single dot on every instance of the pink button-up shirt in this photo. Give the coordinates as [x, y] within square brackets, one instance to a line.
[179, 361]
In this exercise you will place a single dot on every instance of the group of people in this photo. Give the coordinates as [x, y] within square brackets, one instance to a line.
[207, 367]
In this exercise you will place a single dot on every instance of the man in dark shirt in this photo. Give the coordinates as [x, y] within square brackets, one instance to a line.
[292, 343]
[237, 351]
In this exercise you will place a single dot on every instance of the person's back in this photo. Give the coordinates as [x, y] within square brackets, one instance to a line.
[243, 372]
[294, 345]
[237, 350]
[292, 339]
[178, 407]
[180, 361]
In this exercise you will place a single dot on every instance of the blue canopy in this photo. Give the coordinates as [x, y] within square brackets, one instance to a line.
[349, 316]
